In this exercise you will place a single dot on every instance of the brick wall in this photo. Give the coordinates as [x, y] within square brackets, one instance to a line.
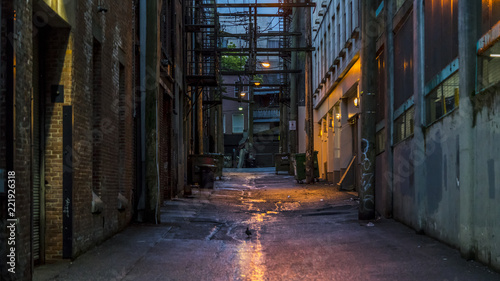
[22, 45]
[66, 59]
[106, 162]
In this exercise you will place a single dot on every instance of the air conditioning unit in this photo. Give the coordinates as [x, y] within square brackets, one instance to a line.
[317, 21]
[315, 28]
[321, 12]
[324, 4]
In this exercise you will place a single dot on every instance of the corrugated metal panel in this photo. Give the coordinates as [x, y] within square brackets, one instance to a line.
[403, 62]
[490, 14]
[381, 91]
[441, 35]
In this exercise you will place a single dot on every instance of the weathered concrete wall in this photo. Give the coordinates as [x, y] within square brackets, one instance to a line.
[403, 184]
[440, 185]
[486, 178]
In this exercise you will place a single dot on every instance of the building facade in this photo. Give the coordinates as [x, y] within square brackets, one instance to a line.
[92, 105]
[437, 114]
[335, 80]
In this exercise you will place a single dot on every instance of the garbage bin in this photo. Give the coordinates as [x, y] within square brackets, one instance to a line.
[218, 161]
[207, 175]
[299, 166]
[282, 162]
[196, 161]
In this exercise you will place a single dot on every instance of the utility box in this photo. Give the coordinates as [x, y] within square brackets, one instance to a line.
[218, 161]
[198, 165]
[282, 162]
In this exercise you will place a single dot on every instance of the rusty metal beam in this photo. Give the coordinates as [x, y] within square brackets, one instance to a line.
[306, 4]
[260, 72]
[225, 34]
[247, 85]
[296, 49]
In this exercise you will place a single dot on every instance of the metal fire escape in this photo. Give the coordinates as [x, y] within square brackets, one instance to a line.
[201, 28]
[285, 20]
[202, 77]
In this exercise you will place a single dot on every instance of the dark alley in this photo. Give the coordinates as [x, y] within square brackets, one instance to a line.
[298, 232]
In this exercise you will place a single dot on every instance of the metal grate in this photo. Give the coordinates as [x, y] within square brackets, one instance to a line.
[380, 140]
[489, 67]
[403, 125]
[443, 99]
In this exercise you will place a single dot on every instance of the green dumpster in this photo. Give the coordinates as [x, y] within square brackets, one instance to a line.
[299, 166]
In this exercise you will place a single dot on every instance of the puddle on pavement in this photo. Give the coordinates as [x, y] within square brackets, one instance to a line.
[253, 201]
[286, 206]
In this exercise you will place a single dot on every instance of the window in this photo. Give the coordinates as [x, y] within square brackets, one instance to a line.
[380, 94]
[489, 67]
[224, 123]
[380, 140]
[403, 125]
[443, 99]
[238, 123]
[273, 43]
[399, 3]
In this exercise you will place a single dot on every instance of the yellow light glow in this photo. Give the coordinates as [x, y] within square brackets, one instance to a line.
[356, 102]
[338, 116]
[256, 83]
[265, 64]
[243, 94]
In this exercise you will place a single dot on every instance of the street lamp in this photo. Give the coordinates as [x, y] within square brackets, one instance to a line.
[265, 64]
[256, 83]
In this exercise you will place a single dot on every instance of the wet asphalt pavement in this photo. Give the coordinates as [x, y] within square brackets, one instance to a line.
[299, 232]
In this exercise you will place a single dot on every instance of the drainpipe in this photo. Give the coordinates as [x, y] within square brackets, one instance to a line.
[468, 31]
[419, 138]
[142, 119]
[389, 110]
[309, 102]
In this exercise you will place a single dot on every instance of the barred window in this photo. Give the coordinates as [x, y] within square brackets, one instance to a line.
[380, 141]
[489, 67]
[403, 125]
[443, 99]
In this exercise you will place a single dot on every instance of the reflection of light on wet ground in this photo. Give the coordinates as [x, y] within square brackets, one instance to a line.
[254, 201]
[250, 254]
[251, 261]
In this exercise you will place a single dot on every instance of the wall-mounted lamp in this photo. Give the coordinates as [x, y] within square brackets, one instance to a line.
[256, 83]
[356, 102]
[265, 64]
[101, 9]
[240, 108]
[337, 116]
[242, 94]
